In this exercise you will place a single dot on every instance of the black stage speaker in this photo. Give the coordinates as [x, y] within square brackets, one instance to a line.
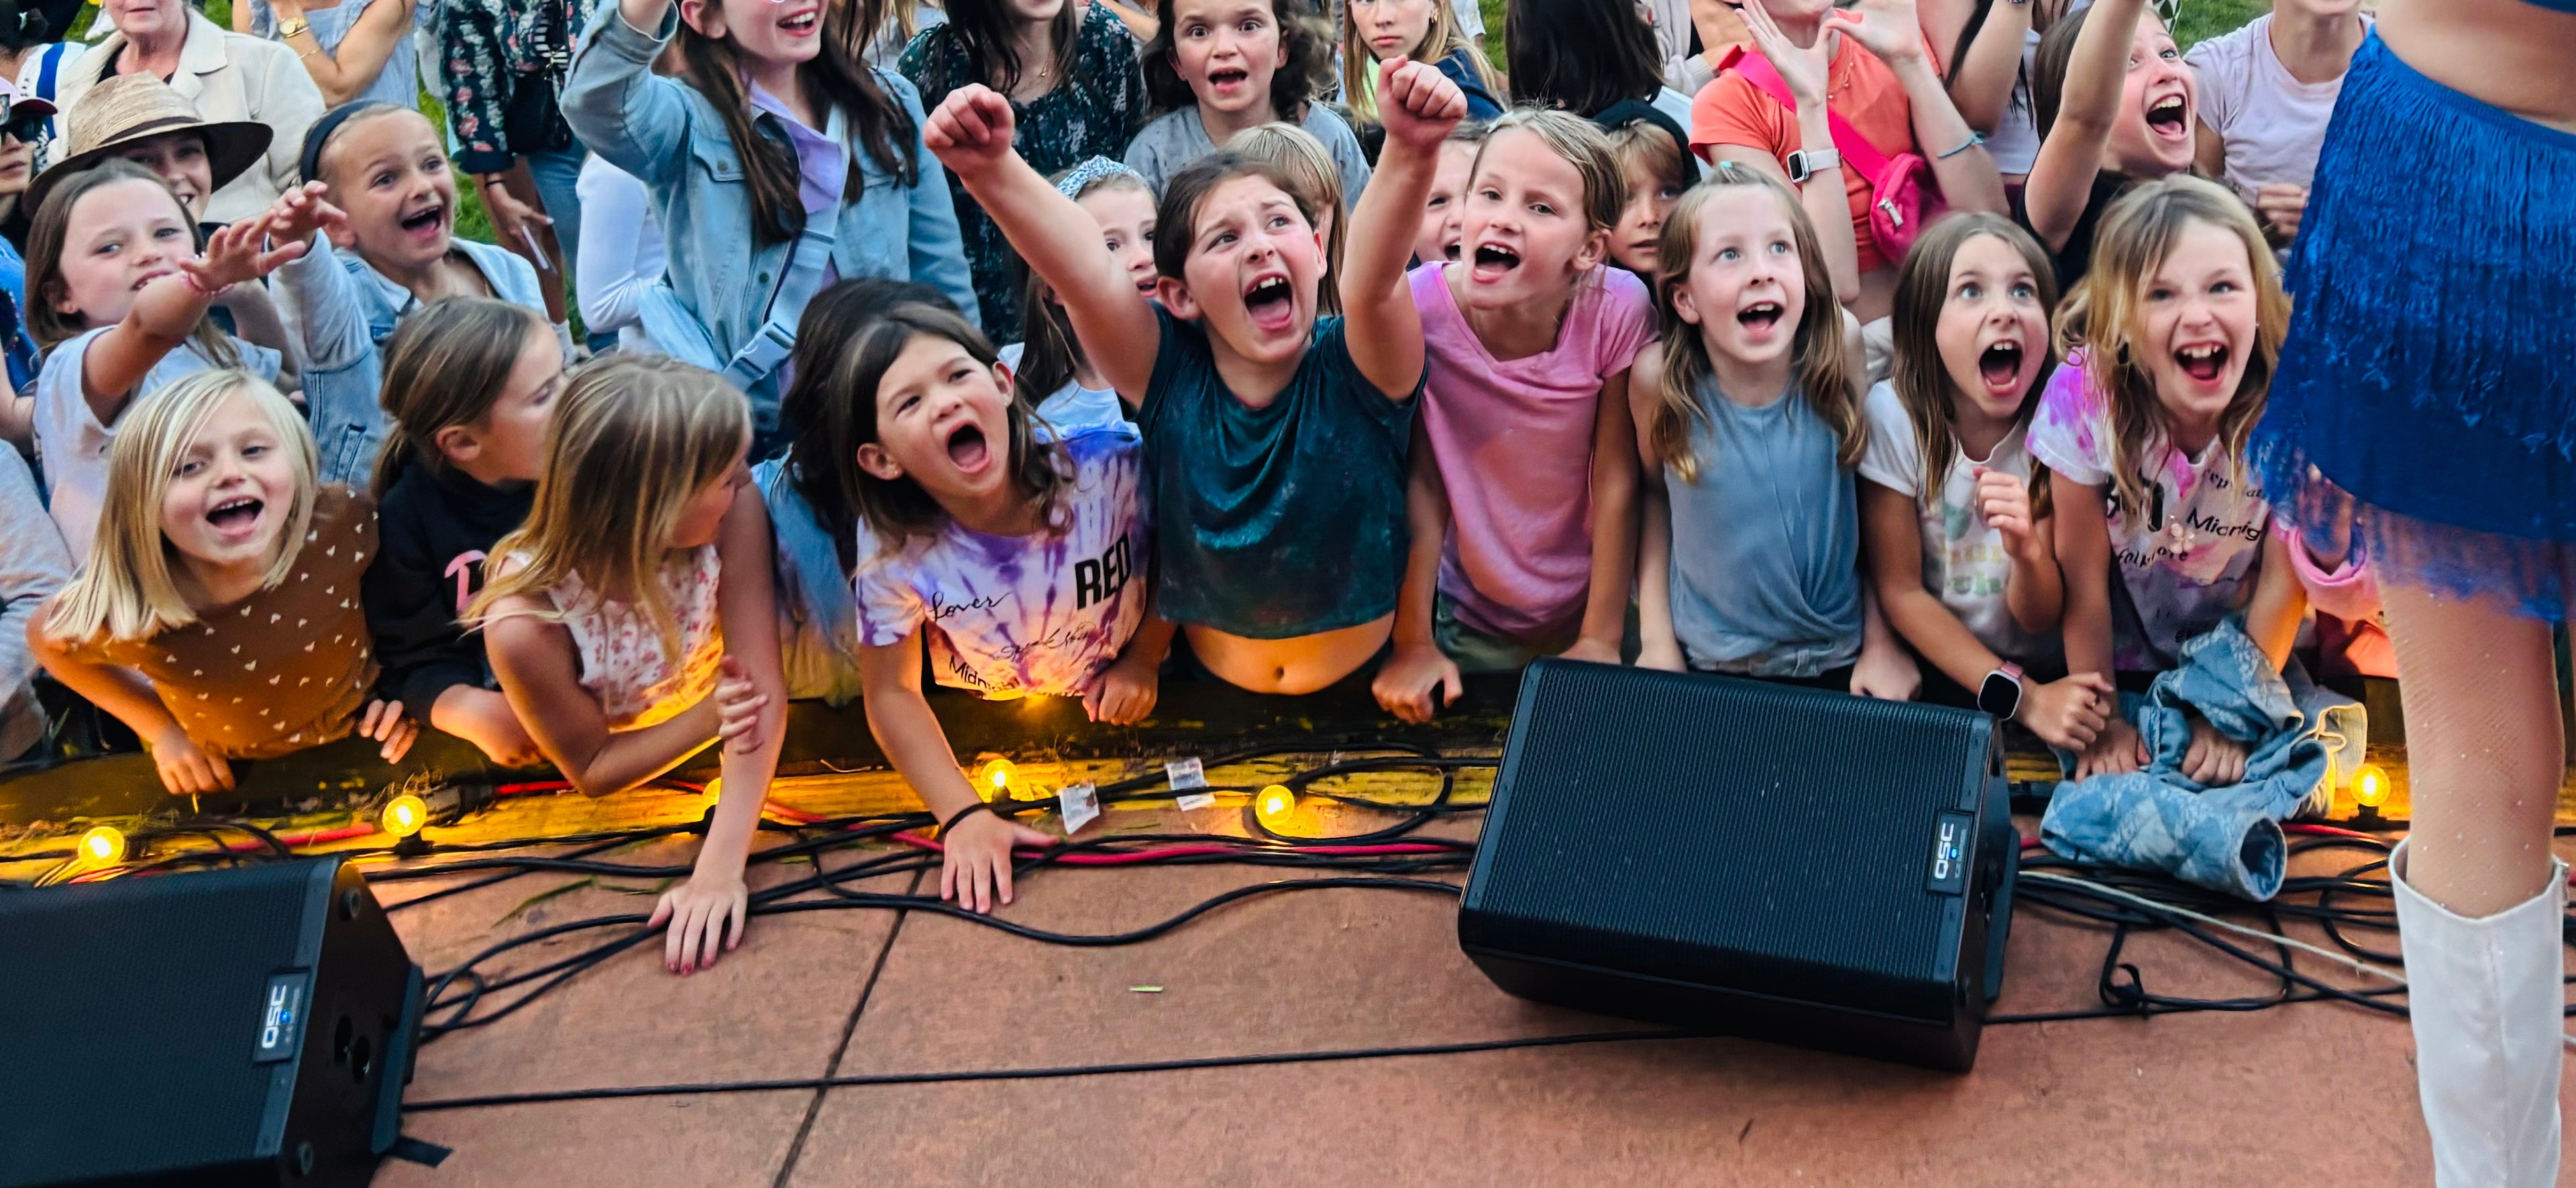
[1731, 856]
[230, 1027]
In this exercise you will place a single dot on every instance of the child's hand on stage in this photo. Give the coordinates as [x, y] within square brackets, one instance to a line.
[706, 915]
[977, 873]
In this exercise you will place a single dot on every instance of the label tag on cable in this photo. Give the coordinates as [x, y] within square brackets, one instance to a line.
[1079, 805]
[1186, 774]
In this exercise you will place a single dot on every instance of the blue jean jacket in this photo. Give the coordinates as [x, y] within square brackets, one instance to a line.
[818, 611]
[667, 134]
[2304, 741]
[345, 310]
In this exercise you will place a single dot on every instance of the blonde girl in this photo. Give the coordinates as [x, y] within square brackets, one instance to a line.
[1961, 552]
[1422, 30]
[1047, 364]
[631, 623]
[2163, 530]
[218, 615]
[1523, 483]
[1749, 556]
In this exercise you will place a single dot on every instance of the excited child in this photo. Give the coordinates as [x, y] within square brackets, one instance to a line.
[1048, 358]
[217, 556]
[1655, 167]
[1217, 67]
[1301, 158]
[1524, 477]
[630, 620]
[1437, 236]
[470, 387]
[1962, 553]
[118, 300]
[1276, 438]
[2162, 529]
[379, 189]
[2116, 106]
[1420, 30]
[1749, 558]
[1019, 559]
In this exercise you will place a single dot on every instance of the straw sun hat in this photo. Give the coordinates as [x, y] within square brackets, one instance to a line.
[132, 107]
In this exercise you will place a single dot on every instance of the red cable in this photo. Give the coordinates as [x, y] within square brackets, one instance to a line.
[1128, 858]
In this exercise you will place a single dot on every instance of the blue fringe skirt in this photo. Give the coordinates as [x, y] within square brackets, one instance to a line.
[2430, 370]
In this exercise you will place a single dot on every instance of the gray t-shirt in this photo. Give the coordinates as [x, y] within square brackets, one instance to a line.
[33, 565]
[1766, 545]
[1169, 143]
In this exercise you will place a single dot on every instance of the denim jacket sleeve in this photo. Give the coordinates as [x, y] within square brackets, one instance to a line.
[475, 84]
[938, 249]
[637, 120]
[328, 313]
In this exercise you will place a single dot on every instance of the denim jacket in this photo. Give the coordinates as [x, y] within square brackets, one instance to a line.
[345, 310]
[671, 138]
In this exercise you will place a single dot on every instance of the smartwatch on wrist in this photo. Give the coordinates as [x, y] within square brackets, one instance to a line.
[2000, 693]
[1807, 163]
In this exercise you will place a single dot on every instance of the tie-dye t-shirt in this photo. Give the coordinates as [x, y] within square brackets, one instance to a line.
[2187, 559]
[1964, 562]
[1010, 616]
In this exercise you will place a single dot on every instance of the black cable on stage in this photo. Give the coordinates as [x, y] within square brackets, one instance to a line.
[1038, 1074]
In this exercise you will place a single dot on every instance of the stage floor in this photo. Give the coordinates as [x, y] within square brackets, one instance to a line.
[2311, 1094]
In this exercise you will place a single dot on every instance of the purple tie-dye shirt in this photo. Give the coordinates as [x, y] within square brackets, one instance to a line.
[2188, 559]
[1015, 615]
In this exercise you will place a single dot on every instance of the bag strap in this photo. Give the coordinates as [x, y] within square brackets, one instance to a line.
[803, 277]
[1855, 147]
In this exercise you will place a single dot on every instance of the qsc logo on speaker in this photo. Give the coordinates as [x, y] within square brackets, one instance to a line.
[281, 1017]
[1951, 838]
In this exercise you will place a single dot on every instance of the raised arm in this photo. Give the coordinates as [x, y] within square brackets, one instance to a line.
[168, 310]
[619, 108]
[971, 134]
[1891, 30]
[2061, 180]
[327, 318]
[1419, 106]
[1827, 203]
[361, 56]
[1982, 80]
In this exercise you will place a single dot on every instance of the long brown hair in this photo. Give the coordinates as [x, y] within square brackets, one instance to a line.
[1359, 64]
[866, 344]
[634, 439]
[1176, 217]
[1917, 372]
[46, 237]
[817, 405]
[446, 365]
[2103, 318]
[1305, 75]
[1049, 352]
[983, 30]
[839, 76]
[1817, 349]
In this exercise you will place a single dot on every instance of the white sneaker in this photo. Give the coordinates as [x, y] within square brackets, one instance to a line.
[2489, 1007]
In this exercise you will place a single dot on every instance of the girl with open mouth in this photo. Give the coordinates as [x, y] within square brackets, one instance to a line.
[218, 615]
[1218, 67]
[2116, 106]
[1275, 438]
[379, 192]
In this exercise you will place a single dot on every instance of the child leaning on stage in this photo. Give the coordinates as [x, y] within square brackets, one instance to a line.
[1523, 488]
[631, 620]
[470, 386]
[1018, 556]
[118, 298]
[1748, 421]
[1275, 438]
[2163, 530]
[1963, 556]
[218, 615]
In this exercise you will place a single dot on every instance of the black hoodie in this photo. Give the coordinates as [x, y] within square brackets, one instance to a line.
[435, 527]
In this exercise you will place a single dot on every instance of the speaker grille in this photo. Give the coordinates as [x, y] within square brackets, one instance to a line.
[1736, 818]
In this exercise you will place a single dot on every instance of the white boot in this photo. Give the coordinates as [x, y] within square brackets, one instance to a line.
[2489, 1010]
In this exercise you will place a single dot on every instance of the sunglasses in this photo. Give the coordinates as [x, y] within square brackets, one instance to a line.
[23, 126]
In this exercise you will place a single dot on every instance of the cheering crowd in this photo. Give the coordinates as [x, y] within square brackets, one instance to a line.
[1908, 348]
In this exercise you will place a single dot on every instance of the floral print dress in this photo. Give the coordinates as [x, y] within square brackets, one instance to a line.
[1091, 113]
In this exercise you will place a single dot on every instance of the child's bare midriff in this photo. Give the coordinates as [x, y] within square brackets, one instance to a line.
[2509, 54]
[1300, 665]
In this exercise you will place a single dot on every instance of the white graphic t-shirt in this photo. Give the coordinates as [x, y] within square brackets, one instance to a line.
[2187, 559]
[1010, 616]
[1964, 562]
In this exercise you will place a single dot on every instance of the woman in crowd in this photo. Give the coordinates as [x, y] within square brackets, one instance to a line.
[502, 69]
[228, 76]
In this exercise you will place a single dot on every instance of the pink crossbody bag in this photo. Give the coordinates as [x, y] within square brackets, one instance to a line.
[1902, 194]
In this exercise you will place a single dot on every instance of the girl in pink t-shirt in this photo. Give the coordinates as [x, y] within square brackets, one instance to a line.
[1523, 489]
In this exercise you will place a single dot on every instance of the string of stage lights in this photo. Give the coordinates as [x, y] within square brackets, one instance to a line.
[476, 993]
